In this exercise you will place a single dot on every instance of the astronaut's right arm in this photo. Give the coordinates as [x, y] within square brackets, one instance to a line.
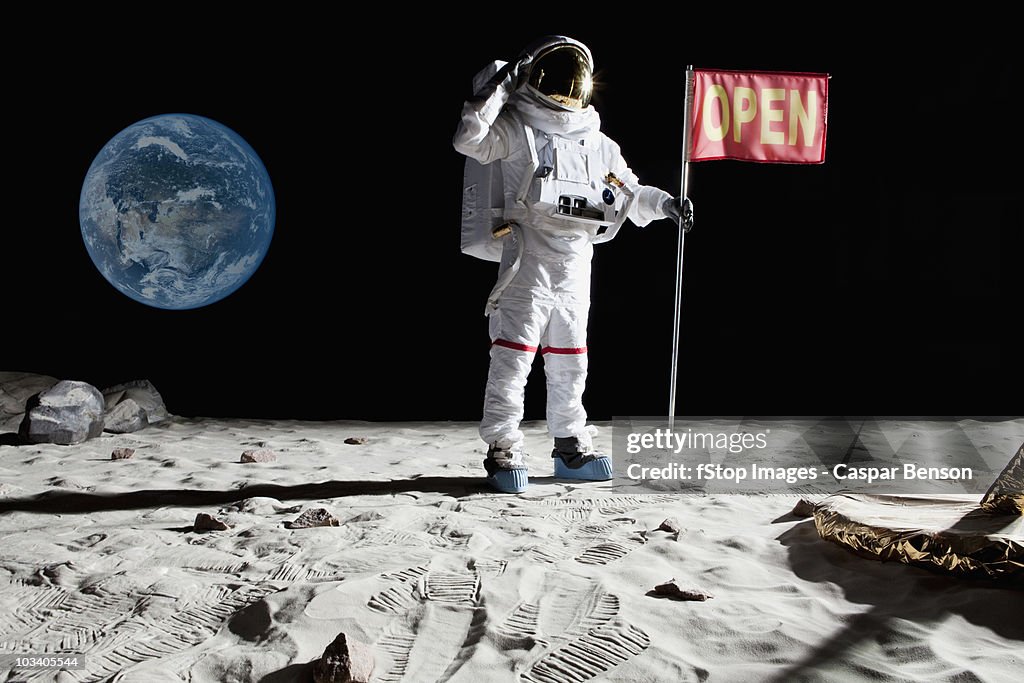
[481, 134]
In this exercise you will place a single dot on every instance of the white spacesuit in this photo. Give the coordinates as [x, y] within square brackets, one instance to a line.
[563, 181]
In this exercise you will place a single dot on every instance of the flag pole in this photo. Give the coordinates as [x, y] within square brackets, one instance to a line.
[684, 181]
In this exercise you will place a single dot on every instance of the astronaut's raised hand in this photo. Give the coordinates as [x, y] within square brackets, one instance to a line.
[508, 78]
[679, 211]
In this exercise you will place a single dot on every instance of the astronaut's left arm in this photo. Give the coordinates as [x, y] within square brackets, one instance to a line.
[649, 202]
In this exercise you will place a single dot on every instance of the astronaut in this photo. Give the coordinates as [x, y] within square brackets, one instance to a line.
[564, 187]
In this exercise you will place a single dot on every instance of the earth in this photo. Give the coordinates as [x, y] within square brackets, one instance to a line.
[177, 211]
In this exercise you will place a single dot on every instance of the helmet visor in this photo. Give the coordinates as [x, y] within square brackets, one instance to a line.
[562, 75]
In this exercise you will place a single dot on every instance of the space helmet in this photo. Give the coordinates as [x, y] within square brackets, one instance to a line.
[559, 73]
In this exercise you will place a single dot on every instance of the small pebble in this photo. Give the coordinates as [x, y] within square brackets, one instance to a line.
[671, 525]
[258, 455]
[803, 509]
[205, 522]
[671, 590]
[313, 517]
[122, 453]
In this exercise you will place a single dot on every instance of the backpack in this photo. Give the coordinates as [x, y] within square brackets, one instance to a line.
[482, 195]
[483, 200]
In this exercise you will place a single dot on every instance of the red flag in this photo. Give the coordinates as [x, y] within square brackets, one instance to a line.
[759, 116]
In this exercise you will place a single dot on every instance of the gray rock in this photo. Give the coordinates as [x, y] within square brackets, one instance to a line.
[16, 388]
[313, 517]
[207, 522]
[125, 417]
[356, 440]
[145, 396]
[258, 455]
[67, 413]
[346, 660]
[122, 453]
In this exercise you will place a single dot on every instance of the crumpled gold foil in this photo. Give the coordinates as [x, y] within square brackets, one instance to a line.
[1006, 495]
[955, 536]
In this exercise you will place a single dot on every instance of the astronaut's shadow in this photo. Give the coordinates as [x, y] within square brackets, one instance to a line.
[894, 591]
[61, 501]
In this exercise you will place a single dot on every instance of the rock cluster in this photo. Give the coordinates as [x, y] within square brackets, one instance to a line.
[43, 409]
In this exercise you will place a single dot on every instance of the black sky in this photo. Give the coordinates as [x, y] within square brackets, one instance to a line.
[884, 282]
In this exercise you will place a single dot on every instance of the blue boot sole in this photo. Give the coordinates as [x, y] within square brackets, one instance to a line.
[509, 481]
[595, 470]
